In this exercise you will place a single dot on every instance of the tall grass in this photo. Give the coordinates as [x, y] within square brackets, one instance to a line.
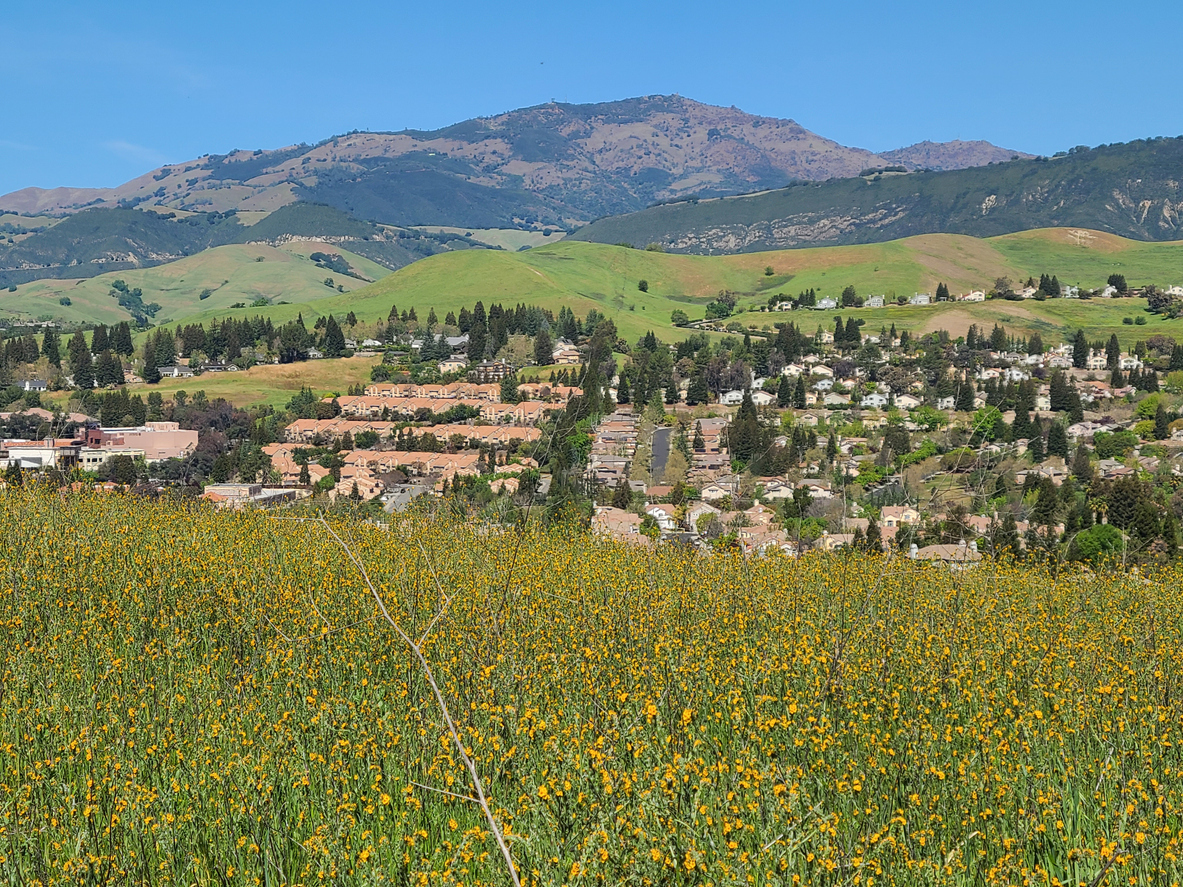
[191, 697]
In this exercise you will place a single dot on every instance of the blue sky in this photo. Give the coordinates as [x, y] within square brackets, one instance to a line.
[94, 93]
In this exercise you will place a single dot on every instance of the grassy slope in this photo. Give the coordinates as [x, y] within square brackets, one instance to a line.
[587, 275]
[231, 271]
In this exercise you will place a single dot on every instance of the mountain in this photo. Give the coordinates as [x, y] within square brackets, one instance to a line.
[1132, 190]
[553, 165]
[97, 240]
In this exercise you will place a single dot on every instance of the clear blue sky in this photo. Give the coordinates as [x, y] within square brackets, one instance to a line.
[94, 93]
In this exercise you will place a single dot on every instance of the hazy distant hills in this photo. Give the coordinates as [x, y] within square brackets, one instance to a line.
[554, 165]
[1130, 189]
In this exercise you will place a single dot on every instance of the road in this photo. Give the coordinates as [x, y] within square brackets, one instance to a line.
[661, 453]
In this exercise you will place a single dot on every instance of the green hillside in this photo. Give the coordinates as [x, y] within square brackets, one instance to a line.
[587, 275]
[232, 274]
[1129, 189]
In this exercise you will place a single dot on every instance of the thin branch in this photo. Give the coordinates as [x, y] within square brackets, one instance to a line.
[439, 698]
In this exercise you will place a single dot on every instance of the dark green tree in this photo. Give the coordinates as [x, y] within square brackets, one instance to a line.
[543, 348]
[51, 348]
[99, 340]
[334, 338]
[799, 394]
[1112, 352]
[1080, 350]
[622, 496]
[1057, 441]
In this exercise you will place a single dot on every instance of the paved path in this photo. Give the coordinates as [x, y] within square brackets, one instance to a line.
[661, 453]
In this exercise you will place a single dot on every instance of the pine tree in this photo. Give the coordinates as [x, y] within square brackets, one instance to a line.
[699, 441]
[99, 340]
[1057, 441]
[1112, 352]
[964, 401]
[1006, 536]
[1080, 350]
[151, 371]
[1035, 344]
[121, 340]
[622, 389]
[543, 348]
[622, 496]
[1035, 447]
[784, 393]
[997, 338]
[697, 393]
[672, 395]
[1082, 468]
[1116, 379]
[942, 292]
[874, 536]
[334, 338]
[831, 448]
[799, 394]
[51, 348]
[1162, 423]
[83, 369]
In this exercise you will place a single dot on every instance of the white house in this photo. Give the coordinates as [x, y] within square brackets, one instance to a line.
[874, 401]
[1097, 361]
[1129, 362]
[664, 515]
[907, 402]
[873, 302]
[822, 370]
[946, 403]
[825, 304]
[823, 384]
[1043, 402]
[732, 398]
[834, 400]
[975, 296]
[763, 398]
[920, 299]
[792, 370]
[1109, 292]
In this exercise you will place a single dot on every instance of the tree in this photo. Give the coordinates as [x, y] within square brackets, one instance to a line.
[305, 479]
[874, 536]
[1035, 344]
[51, 348]
[151, 372]
[850, 298]
[745, 435]
[622, 390]
[1080, 350]
[99, 340]
[355, 493]
[543, 348]
[698, 392]
[1112, 352]
[784, 393]
[1035, 446]
[1057, 441]
[1162, 423]
[1006, 536]
[799, 393]
[942, 292]
[964, 401]
[643, 285]
[1059, 392]
[108, 370]
[478, 340]
[700, 443]
[997, 338]
[831, 448]
[1117, 281]
[121, 340]
[334, 338]
[83, 368]
[678, 317]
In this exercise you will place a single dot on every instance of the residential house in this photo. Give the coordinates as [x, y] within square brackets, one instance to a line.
[873, 302]
[908, 402]
[664, 515]
[874, 401]
[452, 365]
[732, 398]
[763, 398]
[899, 515]
[825, 304]
[920, 299]
[957, 556]
[975, 296]
[176, 372]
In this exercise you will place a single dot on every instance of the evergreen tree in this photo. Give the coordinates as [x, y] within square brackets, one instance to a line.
[1162, 423]
[942, 292]
[334, 338]
[784, 393]
[1112, 352]
[997, 338]
[699, 441]
[355, 493]
[1116, 378]
[1057, 441]
[1035, 447]
[622, 389]
[672, 395]
[543, 348]
[874, 536]
[478, 339]
[1082, 468]
[83, 369]
[432, 320]
[99, 341]
[745, 434]
[1176, 359]
[121, 340]
[622, 496]
[1080, 350]
[151, 371]
[1035, 344]
[1006, 536]
[831, 448]
[964, 400]
[51, 348]
[799, 394]
[697, 393]
[1059, 393]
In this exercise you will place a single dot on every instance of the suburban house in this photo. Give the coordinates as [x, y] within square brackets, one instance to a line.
[732, 398]
[975, 296]
[452, 365]
[175, 372]
[664, 515]
[920, 299]
[763, 398]
[825, 304]
[898, 515]
[873, 302]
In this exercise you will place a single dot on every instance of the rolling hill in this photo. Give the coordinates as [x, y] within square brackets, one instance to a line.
[555, 165]
[214, 279]
[97, 241]
[1133, 190]
[586, 276]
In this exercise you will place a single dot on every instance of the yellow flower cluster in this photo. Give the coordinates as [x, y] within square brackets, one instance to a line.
[195, 697]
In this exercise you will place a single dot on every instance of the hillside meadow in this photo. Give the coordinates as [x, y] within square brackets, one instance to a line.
[586, 276]
[199, 697]
[233, 274]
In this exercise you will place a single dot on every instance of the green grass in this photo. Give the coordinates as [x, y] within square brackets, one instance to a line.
[587, 275]
[231, 272]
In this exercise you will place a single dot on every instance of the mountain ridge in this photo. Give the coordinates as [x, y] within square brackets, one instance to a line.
[554, 164]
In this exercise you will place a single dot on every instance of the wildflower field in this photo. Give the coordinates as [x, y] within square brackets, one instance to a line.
[191, 697]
